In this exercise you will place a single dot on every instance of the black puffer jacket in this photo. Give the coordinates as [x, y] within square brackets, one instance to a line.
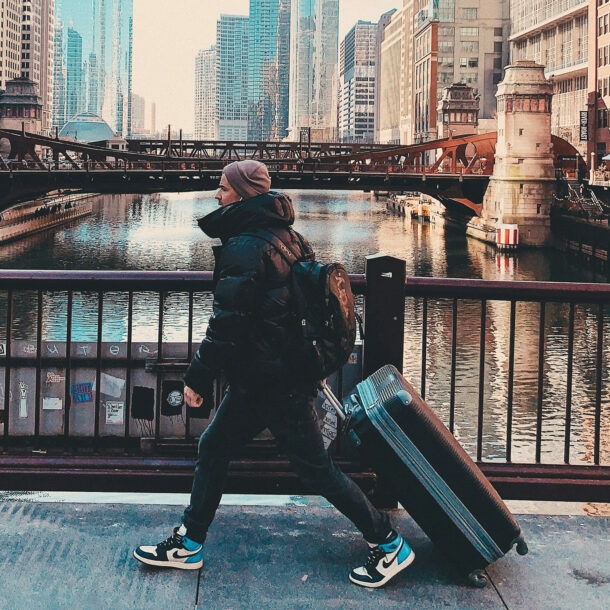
[247, 332]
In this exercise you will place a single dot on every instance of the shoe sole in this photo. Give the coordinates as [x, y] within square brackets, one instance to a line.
[168, 564]
[375, 585]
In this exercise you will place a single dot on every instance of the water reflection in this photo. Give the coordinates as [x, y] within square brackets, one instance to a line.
[161, 233]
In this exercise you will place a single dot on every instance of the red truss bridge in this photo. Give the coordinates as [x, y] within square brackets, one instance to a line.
[454, 170]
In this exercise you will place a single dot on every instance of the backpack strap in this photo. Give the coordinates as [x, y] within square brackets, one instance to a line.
[305, 246]
[279, 244]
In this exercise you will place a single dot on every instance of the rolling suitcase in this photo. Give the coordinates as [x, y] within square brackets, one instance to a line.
[434, 479]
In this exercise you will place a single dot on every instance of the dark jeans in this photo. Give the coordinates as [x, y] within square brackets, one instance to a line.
[292, 419]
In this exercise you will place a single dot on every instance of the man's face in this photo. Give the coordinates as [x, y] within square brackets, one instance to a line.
[226, 194]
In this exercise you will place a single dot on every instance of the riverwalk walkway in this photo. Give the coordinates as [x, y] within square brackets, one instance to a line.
[77, 555]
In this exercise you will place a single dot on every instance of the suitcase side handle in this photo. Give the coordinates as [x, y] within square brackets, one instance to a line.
[334, 401]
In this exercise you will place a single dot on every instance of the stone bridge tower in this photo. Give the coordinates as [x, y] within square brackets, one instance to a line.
[520, 191]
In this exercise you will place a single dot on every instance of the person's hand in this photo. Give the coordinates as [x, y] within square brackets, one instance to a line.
[191, 397]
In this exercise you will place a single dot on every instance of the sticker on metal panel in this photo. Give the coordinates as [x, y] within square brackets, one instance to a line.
[82, 392]
[23, 400]
[115, 412]
[173, 398]
[51, 403]
[111, 385]
[328, 423]
[55, 377]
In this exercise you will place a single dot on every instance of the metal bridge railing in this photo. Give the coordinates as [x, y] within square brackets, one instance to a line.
[91, 364]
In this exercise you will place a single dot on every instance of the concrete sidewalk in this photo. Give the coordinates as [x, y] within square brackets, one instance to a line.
[59, 555]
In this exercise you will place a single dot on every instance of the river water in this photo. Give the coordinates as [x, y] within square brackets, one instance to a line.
[160, 233]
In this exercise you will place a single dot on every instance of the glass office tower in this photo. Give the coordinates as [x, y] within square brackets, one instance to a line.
[74, 73]
[105, 27]
[314, 36]
[232, 35]
[268, 69]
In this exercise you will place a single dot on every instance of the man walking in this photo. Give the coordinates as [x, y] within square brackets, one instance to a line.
[246, 338]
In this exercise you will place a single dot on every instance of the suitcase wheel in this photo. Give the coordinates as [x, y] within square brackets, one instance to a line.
[478, 578]
[521, 546]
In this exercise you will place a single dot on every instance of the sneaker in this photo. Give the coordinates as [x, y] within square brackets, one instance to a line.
[384, 562]
[177, 551]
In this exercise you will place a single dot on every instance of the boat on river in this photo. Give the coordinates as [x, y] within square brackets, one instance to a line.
[404, 204]
[413, 204]
[40, 214]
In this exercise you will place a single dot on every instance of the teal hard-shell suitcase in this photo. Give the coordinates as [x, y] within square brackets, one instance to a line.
[433, 477]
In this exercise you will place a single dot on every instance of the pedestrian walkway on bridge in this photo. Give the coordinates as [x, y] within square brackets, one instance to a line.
[77, 555]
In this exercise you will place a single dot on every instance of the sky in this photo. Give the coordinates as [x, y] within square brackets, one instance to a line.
[168, 33]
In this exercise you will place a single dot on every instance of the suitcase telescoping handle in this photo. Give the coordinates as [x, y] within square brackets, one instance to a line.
[334, 401]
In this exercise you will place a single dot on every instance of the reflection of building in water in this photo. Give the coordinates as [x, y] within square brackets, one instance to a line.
[525, 366]
[421, 244]
[581, 399]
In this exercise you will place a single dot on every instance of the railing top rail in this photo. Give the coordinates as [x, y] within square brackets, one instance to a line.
[505, 290]
[104, 280]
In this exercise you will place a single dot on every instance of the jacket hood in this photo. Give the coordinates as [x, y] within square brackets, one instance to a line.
[267, 210]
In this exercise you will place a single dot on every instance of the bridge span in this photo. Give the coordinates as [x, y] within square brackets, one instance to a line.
[454, 170]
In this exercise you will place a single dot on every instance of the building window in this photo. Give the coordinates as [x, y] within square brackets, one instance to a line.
[470, 14]
[469, 32]
[445, 46]
[470, 46]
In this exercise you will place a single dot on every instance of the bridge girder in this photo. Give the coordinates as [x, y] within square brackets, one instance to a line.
[457, 174]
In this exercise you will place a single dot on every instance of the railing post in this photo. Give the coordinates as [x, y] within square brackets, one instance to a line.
[384, 313]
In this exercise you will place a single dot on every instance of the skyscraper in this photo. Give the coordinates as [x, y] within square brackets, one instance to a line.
[105, 28]
[268, 68]
[58, 114]
[314, 36]
[205, 94]
[36, 49]
[393, 69]
[571, 42]
[74, 73]
[26, 46]
[357, 70]
[47, 33]
[10, 38]
[116, 106]
[428, 45]
[232, 32]
[138, 113]
[454, 41]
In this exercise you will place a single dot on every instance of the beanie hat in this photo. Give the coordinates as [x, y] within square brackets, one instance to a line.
[249, 178]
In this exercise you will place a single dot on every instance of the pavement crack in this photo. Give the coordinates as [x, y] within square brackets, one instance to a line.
[197, 590]
[493, 584]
